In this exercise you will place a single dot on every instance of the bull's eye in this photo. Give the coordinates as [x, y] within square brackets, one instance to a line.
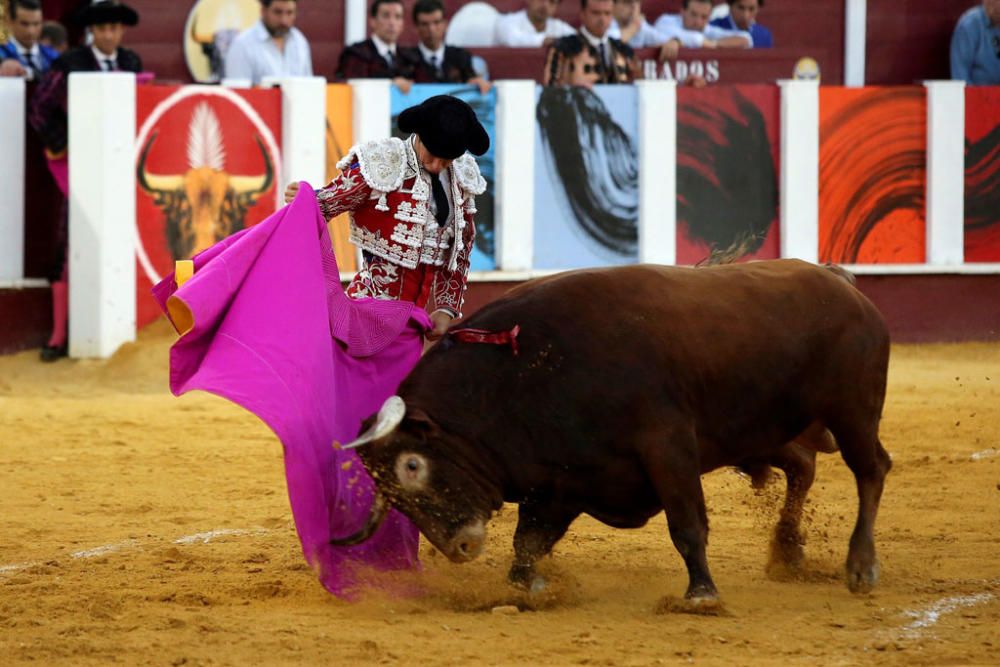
[411, 470]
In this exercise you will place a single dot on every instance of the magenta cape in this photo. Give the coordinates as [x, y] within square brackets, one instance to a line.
[265, 323]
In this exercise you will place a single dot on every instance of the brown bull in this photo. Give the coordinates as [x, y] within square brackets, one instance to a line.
[205, 204]
[630, 383]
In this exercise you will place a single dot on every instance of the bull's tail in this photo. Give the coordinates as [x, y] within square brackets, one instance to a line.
[842, 272]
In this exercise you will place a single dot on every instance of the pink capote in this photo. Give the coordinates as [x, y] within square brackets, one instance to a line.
[274, 332]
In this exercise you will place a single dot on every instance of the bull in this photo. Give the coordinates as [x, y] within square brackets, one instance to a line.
[630, 383]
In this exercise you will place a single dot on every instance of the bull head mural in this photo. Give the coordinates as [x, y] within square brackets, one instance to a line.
[205, 204]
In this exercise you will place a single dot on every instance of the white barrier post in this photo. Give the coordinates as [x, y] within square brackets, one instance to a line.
[514, 210]
[945, 172]
[800, 169]
[12, 183]
[657, 171]
[355, 21]
[102, 232]
[303, 129]
[371, 103]
[855, 41]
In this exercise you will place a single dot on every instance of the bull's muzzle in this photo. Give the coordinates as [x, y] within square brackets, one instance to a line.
[380, 508]
[468, 543]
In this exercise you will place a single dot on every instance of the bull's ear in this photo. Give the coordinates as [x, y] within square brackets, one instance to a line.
[419, 422]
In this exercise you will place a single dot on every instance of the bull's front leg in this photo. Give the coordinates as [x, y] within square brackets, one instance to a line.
[539, 527]
[671, 459]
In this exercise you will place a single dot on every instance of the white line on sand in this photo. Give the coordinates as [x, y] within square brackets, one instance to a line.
[205, 538]
[105, 549]
[4, 569]
[930, 615]
[985, 454]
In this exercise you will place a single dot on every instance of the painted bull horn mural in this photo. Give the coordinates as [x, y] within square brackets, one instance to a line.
[204, 204]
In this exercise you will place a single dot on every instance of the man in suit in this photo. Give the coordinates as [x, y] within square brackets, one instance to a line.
[379, 56]
[22, 55]
[590, 56]
[439, 63]
[107, 20]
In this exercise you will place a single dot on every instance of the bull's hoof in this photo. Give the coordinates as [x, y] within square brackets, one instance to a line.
[699, 605]
[522, 576]
[538, 585]
[786, 553]
[862, 579]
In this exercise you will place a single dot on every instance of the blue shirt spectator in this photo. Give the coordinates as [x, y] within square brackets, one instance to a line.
[975, 45]
[22, 55]
[692, 30]
[743, 16]
[272, 47]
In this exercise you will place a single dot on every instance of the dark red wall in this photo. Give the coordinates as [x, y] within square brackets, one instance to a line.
[909, 40]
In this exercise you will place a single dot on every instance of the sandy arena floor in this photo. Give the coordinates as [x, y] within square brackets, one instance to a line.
[138, 528]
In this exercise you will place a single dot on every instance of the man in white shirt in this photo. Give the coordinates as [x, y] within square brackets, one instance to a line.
[630, 26]
[691, 29]
[535, 25]
[272, 47]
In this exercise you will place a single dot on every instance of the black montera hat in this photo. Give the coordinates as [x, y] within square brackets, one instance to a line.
[447, 126]
[108, 11]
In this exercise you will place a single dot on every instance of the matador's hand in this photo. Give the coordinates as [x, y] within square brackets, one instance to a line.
[291, 191]
[440, 319]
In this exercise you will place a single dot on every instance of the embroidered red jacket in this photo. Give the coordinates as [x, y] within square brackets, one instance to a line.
[407, 254]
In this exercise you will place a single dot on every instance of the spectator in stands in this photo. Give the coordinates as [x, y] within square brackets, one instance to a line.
[379, 56]
[535, 25]
[271, 47]
[54, 36]
[590, 56]
[630, 26]
[743, 16]
[692, 30]
[107, 20]
[975, 45]
[22, 55]
[439, 63]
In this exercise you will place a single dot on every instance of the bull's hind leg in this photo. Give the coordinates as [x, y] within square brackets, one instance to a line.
[799, 465]
[539, 527]
[870, 463]
[673, 468]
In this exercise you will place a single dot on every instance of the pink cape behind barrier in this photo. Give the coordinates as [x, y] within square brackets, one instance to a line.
[265, 323]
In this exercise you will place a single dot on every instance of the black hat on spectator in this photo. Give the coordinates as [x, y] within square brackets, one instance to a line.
[108, 11]
[447, 126]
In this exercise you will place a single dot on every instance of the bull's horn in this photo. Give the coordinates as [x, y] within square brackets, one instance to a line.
[200, 39]
[389, 417]
[380, 508]
[253, 185]
[154, 182]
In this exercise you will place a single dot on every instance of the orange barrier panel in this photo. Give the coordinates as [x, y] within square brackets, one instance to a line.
[873, 158]
[339, 139]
